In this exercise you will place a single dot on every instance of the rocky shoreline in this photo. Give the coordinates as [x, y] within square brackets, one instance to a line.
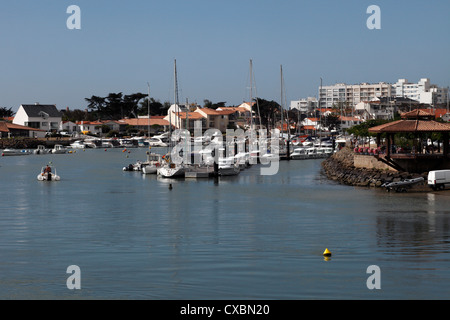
[340, 167]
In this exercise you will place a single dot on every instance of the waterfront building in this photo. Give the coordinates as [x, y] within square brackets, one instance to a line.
[68, 126]
[342, 95]
[422, 91]
[38, 116]
[417, 157]
[305, 105]
[349, 121]
[9, 130]
[154, 124]
[93, 127]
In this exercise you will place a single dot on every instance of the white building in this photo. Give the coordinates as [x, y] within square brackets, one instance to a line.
[422, 91]
[38, 116]
[345, 95]
[68, 126]
[305, 105]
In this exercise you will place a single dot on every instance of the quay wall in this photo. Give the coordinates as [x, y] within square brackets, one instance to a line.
[31, 143]
[370, 162]
[356, 170]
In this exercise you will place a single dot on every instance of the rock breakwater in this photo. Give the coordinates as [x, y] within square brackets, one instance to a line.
[340, 167]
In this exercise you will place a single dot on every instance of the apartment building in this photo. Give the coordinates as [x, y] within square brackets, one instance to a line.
[305, 105]
[344, 95]
[422, 91]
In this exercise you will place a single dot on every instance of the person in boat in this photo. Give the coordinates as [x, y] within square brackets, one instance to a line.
[47, 169]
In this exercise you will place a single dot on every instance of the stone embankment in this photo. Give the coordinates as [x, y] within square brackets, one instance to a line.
[340, 167]
[30, 143]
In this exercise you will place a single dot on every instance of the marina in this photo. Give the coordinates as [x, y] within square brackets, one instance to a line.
[142, 236]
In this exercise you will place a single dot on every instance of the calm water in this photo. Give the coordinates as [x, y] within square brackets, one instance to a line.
[243, 237]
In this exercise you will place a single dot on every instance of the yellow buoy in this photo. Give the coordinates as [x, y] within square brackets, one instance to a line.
[327, 253]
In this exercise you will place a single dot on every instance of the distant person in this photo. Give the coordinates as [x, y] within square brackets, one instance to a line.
[47, 169]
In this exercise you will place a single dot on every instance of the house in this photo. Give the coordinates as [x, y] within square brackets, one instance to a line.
[8, 130]
[349, 121]
[93, 127]
[239, 118]
[210, 118]
[218, 119]
[68, 126]
[186, 120]
[114, 125]
[156, 123]
[38, 116]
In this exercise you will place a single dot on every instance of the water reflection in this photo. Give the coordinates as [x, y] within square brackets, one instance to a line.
[414, 226]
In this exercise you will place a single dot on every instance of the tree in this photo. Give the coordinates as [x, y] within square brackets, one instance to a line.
[156, 108]
[115, 105]
[209, 104]
[6, 113]
[362, 130]
[268, 111]
[331, 122]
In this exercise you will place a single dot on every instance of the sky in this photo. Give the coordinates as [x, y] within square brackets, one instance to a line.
[130, 46]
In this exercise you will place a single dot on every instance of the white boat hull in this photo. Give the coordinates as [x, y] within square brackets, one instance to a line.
[168, 172]
[48, 177]
[150, 169]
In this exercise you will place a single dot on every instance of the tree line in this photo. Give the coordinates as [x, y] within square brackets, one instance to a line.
[119, 106]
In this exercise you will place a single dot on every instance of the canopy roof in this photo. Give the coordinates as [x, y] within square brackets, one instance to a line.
[411, 126]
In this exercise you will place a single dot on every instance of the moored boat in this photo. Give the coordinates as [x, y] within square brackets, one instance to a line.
[15, 152]
[58, 149]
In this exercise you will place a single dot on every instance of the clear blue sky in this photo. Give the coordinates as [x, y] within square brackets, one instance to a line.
[122, 45]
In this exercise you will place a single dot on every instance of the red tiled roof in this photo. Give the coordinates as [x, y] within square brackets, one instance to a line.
[6, 126]
[411, 126]
[235, 109]
[191, 115]
[416, 114]
[145, 122]
[213, 112]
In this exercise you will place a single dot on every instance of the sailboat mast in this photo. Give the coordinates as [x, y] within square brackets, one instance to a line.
[251, 94]
[148, 109]
[281, 102]
[176, 91]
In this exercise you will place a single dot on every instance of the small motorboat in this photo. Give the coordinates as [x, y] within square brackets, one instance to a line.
[48, 173]
[403, 185]
[14, 152]
[41, 149]
[79, 144]
[152, 164]
[59, 149]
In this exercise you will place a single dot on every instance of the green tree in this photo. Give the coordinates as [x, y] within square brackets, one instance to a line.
[5, 113]
[156, 108]
[331, 122]
[115, 105]
[269, 111]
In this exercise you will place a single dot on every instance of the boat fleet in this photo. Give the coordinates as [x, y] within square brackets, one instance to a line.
[208, 166]
[226, 165]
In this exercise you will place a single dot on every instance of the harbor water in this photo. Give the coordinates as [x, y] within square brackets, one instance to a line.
[248, 236]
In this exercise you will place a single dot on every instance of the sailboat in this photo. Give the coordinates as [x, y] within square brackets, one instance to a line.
[169, 169]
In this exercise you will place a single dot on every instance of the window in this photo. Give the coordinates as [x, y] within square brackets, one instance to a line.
[35, 125]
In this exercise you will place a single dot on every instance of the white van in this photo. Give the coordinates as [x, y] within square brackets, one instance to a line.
[438, 179]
